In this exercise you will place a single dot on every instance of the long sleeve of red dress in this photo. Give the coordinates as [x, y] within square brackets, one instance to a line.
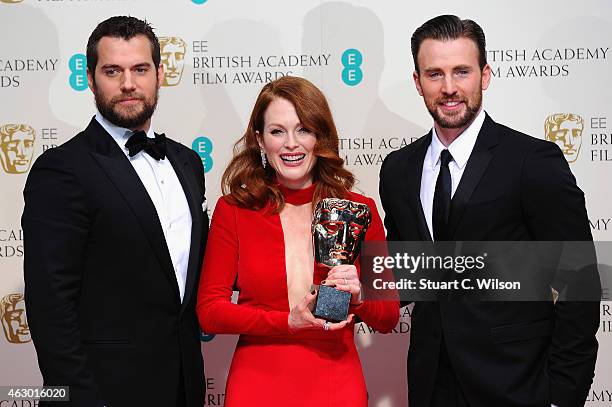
[216, 313]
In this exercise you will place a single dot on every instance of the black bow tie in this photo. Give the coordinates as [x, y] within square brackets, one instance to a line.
[139, 141]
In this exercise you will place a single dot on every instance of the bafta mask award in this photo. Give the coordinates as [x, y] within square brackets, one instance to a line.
[338, 228]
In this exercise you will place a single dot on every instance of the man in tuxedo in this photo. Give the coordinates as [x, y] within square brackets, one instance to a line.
[472, 179]
[114, 234]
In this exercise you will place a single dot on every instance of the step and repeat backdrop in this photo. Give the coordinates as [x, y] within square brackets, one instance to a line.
[551, 70]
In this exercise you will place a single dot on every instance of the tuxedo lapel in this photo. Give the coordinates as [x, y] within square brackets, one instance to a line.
[413, 172]
[121, 173]
[180, 162]
[475, 168]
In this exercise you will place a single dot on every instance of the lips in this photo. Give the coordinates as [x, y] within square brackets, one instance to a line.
[451, 104]
[129, 100]
[293, 160]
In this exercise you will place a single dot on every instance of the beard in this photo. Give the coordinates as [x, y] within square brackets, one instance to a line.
[128, 117]
[458, 119]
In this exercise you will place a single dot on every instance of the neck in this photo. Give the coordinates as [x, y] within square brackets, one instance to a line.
[295, 196]
[448, 135]
[144, 127]
[296, 185]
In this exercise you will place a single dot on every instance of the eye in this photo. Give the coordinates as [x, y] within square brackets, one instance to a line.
[141, 69]
[463, 72]
[304, 130]
[276, 132]
[434, 75]
[111, 72]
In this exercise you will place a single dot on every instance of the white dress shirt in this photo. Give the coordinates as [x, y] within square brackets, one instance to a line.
[461, 149]
[166, 192]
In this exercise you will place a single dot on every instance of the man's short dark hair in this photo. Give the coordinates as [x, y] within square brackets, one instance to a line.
[449, 27]
[124, 27]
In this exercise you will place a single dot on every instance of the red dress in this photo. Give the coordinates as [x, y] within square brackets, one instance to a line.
[271, 366]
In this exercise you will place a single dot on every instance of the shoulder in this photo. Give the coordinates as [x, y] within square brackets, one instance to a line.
[357, 197]
[63, 156]
[183, 149]
[395, 160]
[227, 206]
[521, 142]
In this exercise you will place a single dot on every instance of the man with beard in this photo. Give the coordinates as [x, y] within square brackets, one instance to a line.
[114, 234]
[472, 179]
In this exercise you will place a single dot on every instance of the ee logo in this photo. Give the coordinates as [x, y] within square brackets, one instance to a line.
[78, 72]
[199, 1]
[352, 73]
[203, 146]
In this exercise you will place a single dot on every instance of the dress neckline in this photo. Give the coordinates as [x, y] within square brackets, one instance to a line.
[298, 196]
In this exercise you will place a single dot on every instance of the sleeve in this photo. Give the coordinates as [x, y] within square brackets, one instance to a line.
[55, 225]
[390, 225]
[555, 210]
[382, 315]
[216, 313]
[392, 232]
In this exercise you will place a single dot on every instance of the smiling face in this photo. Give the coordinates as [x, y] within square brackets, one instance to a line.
[450, 81]
[125, 82]
[288, 145]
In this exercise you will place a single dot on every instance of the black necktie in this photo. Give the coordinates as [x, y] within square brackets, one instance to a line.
[139, 141]
[442, 198]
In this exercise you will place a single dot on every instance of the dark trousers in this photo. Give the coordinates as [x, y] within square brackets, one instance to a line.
[181, 400]
[447, 390]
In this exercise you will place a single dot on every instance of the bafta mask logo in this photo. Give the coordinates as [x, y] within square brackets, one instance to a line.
[16, 147]
[11, 1]
[338, 228]
[173, 51]
[565, 130]
[13, 316]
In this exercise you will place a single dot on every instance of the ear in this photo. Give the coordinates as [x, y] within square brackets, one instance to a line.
[417, 82]
[160, 75]
[90, 80]
[486, 76]
[259, 139]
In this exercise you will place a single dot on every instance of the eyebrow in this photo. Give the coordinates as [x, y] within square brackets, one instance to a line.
[280, 125]
[115, 66]
[433, 69]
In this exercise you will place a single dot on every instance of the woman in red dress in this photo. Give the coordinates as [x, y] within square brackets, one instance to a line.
[260, 245]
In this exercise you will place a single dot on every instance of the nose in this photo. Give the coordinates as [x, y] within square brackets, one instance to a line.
[448, 85]
[127, 82]
[291, 140]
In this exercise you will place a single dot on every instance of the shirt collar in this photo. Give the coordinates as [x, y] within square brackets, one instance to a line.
[461, 148]
[119, 134]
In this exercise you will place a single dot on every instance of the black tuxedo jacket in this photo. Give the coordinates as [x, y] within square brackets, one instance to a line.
[514, 188]
[101, 293]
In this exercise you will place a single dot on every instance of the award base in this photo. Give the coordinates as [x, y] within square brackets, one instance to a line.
[332, 305]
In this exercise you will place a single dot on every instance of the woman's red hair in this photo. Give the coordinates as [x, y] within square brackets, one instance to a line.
[251, 186]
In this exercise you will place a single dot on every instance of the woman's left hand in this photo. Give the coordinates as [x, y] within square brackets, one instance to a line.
[345, 278]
